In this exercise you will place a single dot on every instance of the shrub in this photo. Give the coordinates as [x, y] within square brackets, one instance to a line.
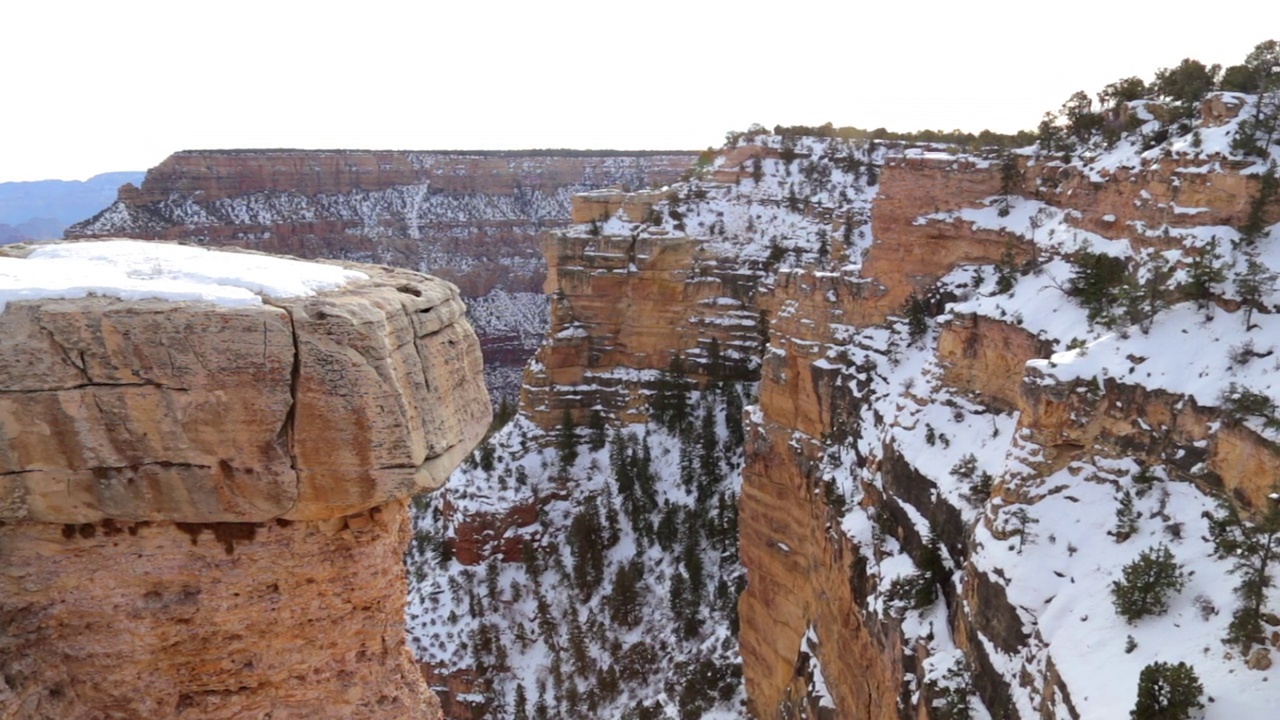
[1243, 402]
[1100, 283]
[915, 591]
[1167, 692]
[1146, 583]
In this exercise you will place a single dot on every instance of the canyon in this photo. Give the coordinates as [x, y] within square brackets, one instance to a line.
[816, 425]
[945, 458]
[471, 218]
[194, 493]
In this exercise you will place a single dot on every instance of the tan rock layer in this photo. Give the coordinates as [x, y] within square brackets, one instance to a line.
[802, 575]
[305, 408]
[251, 620]
[634, 303]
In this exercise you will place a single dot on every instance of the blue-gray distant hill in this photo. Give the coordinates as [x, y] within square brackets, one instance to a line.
[43, 209]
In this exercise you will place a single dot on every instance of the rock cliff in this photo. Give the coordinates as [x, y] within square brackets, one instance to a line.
[203, 504]
[472, 218]
[956, 447]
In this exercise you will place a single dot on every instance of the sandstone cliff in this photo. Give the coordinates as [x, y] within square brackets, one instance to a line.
[472, 218]
[934, 479]
[204, 504]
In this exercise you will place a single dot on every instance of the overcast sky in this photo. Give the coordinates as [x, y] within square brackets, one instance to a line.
[90, 87]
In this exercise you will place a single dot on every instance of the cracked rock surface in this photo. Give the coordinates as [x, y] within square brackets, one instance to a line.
[303, 408]
[204, 509]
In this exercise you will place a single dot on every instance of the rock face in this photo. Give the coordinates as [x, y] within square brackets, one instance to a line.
[622, 308]
[813, 598]
[886, 576]
[203, 508]
[472, 218]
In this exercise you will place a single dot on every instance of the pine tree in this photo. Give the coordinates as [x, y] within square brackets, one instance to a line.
[1167, 692]
[917, 318]
[1007, 269]
[585, 535]
[709, 474]
[521, 705]
[736, 433]
[1098, 282]
[1126, 518]
[1255, 283]
[1256, 549]
[955, 702]
[541, 711]
[1022, 522]
[624, 604]
[567, 440]
[1204, 273]
[670, 405]
[596, 430]
[1146, 583]
[1010, 175]
[668, 532]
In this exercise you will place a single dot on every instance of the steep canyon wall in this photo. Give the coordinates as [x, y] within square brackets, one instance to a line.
[855, 483]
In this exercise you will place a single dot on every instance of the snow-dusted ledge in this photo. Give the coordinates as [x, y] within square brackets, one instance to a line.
[137, 270]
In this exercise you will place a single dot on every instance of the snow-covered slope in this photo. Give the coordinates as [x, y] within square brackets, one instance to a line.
[985, 386]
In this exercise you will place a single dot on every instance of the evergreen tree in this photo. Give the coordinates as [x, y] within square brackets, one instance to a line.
[521, 706]
[1122, 91]
[1126, 517]
[709, 474]
[670, 405]
[1150, 300]
[1078, 113]
[955, 702]
[596, 430]
[1255, 223]
[1022, 522]
[585, 535]
[567, 440]
[736, 434]
[668, 532]
[1097, 281]
[694, 571]
[624, 604]
[1256, 282]
[1185, 85]
[1010, 176]
[1146, 584]
[917, 319]
[1204, 273]
[1257, 132]
[1256, 549]
[1167, 692]
[541, 711]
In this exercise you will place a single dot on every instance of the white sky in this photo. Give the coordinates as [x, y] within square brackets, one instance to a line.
[96, 86]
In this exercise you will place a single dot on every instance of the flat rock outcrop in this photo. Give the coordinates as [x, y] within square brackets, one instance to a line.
[203, 508]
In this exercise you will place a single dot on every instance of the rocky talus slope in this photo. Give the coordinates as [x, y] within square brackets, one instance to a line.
[984, 384]
[473, 218]
[204, 507]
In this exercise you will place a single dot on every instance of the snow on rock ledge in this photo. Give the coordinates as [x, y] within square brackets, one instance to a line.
[149, 382]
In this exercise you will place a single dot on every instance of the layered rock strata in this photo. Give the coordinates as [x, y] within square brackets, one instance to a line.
[203, 507]
[855, 485]
[472, 218]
